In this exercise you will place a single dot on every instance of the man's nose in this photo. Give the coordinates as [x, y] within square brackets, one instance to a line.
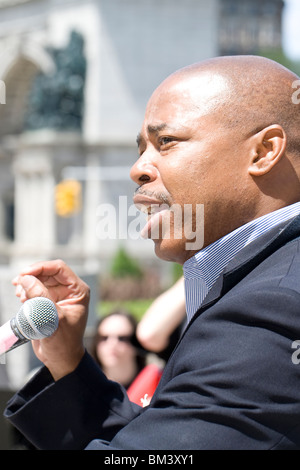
[143, 171]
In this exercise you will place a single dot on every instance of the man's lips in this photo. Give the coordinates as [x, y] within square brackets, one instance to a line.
[143, 201]
[148, 204]
[155, 209]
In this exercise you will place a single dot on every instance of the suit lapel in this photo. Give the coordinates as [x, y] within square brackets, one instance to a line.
[248, 258]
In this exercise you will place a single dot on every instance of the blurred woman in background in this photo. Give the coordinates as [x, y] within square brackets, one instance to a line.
[122, 359]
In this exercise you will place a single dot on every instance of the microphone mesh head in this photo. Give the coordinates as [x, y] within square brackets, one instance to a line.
[37, 318]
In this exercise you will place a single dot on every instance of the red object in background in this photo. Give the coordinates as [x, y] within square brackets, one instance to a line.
[144, 384]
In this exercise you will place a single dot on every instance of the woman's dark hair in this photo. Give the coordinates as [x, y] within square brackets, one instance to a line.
[140, 351]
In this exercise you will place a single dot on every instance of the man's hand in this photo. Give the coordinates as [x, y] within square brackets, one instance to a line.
[62, 352]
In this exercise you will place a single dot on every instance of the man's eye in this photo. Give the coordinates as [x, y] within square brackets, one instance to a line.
[165, 140]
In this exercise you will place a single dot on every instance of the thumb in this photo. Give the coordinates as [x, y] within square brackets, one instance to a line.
[28, 287]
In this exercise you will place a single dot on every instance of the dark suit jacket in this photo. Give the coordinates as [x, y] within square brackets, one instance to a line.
[230, 383]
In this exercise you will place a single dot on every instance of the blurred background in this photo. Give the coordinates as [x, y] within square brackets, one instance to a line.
[76, 76]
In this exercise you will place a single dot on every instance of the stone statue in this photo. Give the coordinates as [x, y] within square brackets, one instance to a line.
[56, 101]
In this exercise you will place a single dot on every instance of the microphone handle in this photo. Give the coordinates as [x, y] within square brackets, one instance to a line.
[16, 330]
[15, 345]
[17, 333]
[21, 339]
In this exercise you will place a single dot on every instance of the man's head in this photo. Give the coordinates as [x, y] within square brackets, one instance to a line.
[224, 134]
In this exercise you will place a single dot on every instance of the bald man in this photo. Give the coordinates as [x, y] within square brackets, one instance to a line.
[222, 135]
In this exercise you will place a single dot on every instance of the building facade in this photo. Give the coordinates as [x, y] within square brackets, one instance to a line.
[250, 26]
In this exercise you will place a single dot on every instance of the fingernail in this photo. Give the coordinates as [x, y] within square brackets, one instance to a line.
[26, 269]
[18, 289]
[15, 280]
[27, 281]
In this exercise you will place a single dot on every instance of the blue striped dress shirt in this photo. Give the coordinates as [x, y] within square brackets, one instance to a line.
[202, 270]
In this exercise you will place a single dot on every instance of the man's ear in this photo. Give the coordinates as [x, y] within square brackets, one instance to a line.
[268, 147]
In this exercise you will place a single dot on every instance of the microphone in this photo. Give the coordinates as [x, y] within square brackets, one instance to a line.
[36, 319]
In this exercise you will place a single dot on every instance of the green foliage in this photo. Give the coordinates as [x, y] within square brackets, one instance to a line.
[177, 272]
[137, 307]
[125, 266]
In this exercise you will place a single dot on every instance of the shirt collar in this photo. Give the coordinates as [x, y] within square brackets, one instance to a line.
[202, 270]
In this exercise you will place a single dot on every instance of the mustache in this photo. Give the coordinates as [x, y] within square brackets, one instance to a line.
[161, 197]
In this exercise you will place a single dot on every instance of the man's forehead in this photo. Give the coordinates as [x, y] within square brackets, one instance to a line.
[203, 90]
[181, 99]
[178, 100]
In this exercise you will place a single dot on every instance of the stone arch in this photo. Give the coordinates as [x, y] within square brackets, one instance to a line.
[18, 67]
[17, 81]
[29, 50]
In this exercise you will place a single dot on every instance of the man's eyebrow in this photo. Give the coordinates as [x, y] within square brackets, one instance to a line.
[155, 129]
[152, 130]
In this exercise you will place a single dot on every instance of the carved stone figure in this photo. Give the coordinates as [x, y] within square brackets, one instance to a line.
[56, 100]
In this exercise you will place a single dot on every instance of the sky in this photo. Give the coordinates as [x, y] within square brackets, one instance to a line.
[291, 29]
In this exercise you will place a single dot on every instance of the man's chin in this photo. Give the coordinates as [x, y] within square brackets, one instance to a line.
[169, 250]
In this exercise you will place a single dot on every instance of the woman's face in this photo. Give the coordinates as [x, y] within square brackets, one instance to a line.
[114, 345]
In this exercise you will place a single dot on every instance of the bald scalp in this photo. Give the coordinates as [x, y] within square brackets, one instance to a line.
[259, 94]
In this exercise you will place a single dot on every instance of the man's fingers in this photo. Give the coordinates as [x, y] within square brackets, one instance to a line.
[28, 287]
[47, 268]
[51, 279]
[52, 272]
